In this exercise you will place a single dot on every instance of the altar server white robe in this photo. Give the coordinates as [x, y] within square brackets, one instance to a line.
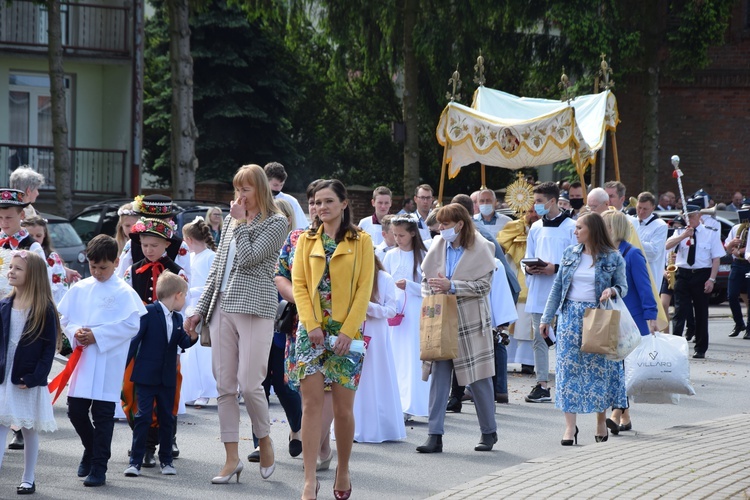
[377, 403]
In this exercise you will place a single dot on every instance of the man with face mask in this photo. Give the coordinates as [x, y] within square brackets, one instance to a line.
[492, 221]
[547, 240]
[575, 195]
[276, 178]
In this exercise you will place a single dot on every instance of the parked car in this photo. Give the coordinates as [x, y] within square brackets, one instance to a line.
[728, 220]
[67, 243]
[101, 218]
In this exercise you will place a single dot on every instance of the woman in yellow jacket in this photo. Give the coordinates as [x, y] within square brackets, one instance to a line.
[332, 280]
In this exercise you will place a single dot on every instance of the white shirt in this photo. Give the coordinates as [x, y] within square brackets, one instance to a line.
[732, 235]
[374, 230]
[547, 243]
[382, 249]
[583, 285]
[231, 254]
[501, 299]
[653, 235]
[495, 225]
[708, 247]
[112, 310]
[424, 231]
[168, 319]
[300, 217]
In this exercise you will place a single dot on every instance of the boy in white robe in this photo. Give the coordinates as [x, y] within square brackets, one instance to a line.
[100, 315]
[373, 224]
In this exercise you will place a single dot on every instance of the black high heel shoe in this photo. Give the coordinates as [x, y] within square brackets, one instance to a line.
[601, 439]
[612, 426]
[569, 442]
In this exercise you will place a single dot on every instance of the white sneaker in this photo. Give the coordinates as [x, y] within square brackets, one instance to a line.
[132, 471]
[168, 470]
[200, 402]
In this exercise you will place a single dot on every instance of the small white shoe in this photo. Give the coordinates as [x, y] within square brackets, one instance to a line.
[168, 470]
[132, 471]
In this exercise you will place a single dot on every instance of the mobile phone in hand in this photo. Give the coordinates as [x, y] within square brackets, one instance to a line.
[550, 339]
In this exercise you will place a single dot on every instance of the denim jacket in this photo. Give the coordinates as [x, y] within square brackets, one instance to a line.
[609, 272]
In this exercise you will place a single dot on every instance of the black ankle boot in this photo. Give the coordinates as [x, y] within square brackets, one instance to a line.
[486, 442]
[17, 442]
[434, 444]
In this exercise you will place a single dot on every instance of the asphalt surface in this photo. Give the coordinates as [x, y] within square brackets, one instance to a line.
[391, 470]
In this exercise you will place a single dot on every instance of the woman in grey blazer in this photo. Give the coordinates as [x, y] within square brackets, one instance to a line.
[239, 303]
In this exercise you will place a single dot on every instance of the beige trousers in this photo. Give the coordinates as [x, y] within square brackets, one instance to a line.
[240, 344]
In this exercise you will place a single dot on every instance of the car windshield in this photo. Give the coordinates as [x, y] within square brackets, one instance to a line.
[63, 235]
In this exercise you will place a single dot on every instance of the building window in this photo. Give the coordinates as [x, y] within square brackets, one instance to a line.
[30, 117]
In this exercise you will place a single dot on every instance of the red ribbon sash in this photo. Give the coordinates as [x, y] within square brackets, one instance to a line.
[59, 382]
[9, 239]
[156, 269]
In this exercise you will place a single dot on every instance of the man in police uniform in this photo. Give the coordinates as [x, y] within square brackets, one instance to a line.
[698, 252]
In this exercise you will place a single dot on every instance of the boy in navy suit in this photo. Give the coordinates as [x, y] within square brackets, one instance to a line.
[155, 369]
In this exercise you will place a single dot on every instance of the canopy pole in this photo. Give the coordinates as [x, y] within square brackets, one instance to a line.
[603, 170]
[442, 175]
[614, 156]
[593, 172]
[583, 183]
[484, 181]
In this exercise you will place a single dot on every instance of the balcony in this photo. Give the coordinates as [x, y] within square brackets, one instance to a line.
[95, 171]
[87, 29]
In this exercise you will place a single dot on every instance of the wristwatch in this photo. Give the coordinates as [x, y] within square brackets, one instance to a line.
[712, 280]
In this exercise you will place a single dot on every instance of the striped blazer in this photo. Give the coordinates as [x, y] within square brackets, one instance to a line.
[250, 288]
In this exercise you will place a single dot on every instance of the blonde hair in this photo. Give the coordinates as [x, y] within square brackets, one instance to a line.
[255, 176]
[169, 284]
[286, 208]
[210, 212]
[120, 236]
[36, 292]
[618, 225]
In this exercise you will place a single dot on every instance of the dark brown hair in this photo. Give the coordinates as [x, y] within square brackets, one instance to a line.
[347, 228]
[102, 248]
[599, 240]
[417, 245]
[374, 296]
[198, 230]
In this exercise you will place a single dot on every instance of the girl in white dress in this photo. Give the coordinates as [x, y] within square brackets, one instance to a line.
[404, 264]
[377, 403]
[26, 354]
[198, 383]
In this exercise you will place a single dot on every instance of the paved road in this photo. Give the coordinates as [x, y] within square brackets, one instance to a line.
[394, 470]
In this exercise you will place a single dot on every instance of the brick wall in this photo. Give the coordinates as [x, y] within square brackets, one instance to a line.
[706, 123]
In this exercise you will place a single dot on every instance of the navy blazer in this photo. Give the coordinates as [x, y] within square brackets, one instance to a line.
[33, 360]
[155, 358]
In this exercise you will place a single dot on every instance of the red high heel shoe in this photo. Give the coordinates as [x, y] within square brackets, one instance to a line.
[341, 494]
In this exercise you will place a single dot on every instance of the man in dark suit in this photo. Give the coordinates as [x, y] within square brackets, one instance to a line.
[155, 369]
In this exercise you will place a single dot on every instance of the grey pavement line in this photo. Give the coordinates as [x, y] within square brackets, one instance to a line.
[699, 460]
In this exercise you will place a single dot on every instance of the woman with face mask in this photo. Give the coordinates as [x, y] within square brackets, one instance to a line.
[460, 262]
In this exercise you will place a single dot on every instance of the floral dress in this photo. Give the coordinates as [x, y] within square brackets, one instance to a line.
[312, 358]
[284, 269]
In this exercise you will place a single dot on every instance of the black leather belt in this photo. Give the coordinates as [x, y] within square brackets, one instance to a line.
[693, 271]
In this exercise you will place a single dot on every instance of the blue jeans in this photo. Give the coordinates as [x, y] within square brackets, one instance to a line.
[738, 284]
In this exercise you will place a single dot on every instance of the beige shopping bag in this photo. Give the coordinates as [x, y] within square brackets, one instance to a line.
[438, 328]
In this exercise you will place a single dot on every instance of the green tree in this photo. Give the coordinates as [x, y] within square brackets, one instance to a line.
[662, 38]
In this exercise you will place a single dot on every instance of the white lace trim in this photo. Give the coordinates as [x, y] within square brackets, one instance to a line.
[11, 420]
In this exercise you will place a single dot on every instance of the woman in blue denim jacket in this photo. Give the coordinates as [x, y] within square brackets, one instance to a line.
[589, 272]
